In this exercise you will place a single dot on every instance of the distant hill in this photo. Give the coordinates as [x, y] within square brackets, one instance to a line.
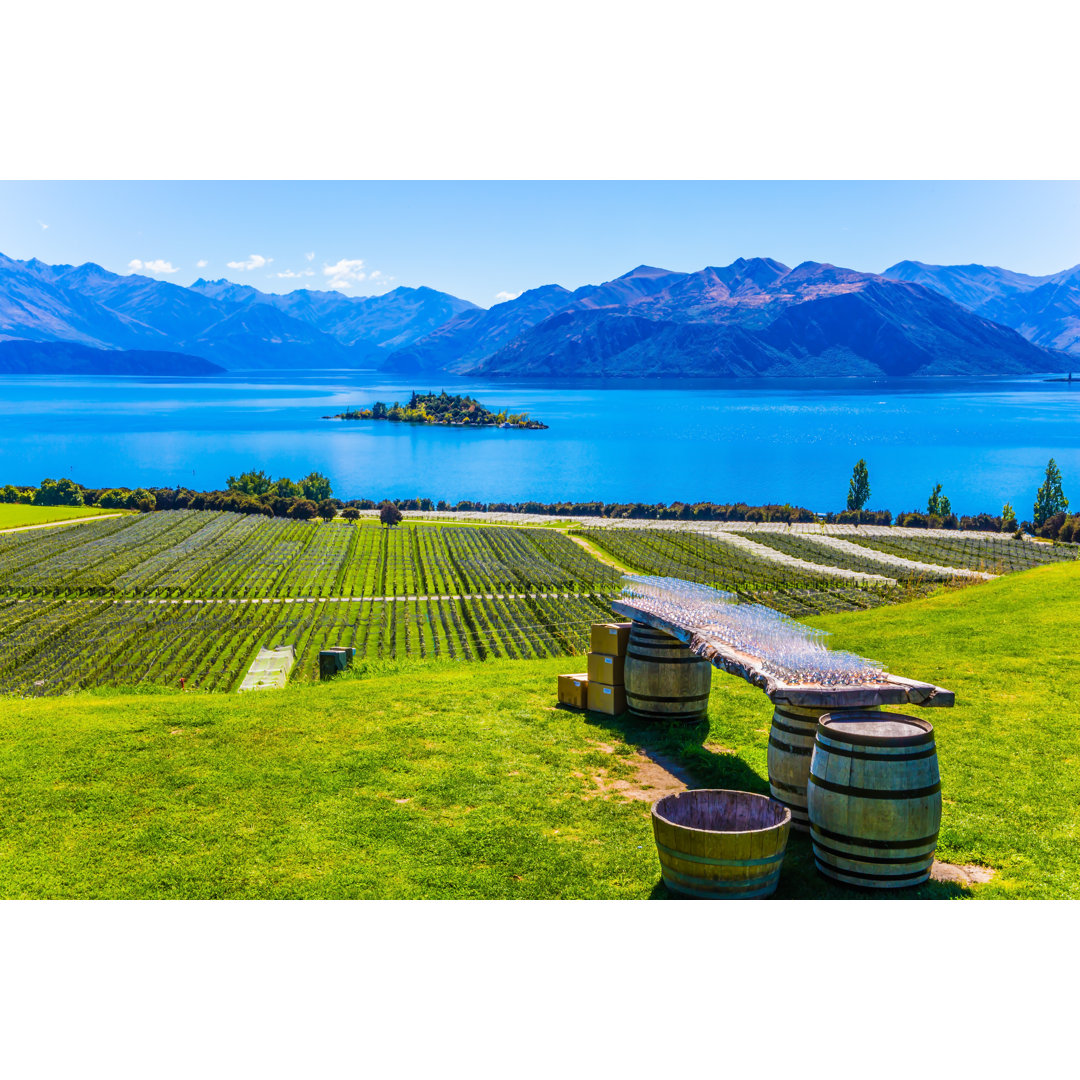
[235, 326]
[756, 317]
[70, 358]
[1045, 310]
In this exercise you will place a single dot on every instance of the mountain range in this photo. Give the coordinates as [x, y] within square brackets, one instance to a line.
[756, 317]
[1046, 310]
[233, 326]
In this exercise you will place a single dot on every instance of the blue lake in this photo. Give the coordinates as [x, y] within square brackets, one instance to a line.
[986, 441]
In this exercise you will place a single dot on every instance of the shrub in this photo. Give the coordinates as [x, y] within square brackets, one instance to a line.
[914, 520]
[350, 513]
[304, 509]
[142, 500]
[984, 523]
[1049, 529]
[114, 499]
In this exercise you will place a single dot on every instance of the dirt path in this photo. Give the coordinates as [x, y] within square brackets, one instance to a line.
[57, 524]
[601, 556]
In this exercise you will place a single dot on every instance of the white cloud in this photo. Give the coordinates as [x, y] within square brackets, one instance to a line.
[43, 225]
[253, 262]
[344, 273]
[502, 297]
[374, 274]
[201, 263]
[152, 266]
[309, 255]
[296, 273]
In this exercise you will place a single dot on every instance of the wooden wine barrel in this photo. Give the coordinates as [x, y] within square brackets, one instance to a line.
[664, 680]
[791, 742]
[874, 799]
[721, 845]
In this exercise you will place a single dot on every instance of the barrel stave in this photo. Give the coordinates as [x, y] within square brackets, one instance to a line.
[791, 745]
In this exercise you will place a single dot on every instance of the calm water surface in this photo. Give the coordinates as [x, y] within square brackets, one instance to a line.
[986, 440]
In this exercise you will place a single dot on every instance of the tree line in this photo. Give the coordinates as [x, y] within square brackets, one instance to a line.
[256, 492]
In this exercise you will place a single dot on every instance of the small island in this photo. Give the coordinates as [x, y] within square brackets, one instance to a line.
[449, 410]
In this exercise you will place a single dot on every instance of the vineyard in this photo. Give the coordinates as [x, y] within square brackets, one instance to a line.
[991, 554]
[155, 598]
[801, 546]
[73, 644]
[695, 556]
[193, 595]
[212, 554]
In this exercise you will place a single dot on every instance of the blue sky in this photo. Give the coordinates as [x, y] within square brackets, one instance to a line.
[488, 240]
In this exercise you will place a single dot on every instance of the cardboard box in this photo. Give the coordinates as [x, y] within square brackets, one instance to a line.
[574, 690]
[606, 669]
[610, 638]
[610, 700]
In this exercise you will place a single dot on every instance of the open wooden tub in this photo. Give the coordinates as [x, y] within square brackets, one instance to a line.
[721, 845]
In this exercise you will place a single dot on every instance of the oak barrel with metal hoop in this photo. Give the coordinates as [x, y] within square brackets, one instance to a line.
[874, 799]
[720, 845]
[664, 680]
[791, 742]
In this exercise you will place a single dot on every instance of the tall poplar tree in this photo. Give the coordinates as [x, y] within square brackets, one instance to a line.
[1050, 499]
[858, 486]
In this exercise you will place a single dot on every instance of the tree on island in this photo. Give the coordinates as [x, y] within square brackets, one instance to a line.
[858, 486]
[389, 514]
[938, 504]
[1050, 499]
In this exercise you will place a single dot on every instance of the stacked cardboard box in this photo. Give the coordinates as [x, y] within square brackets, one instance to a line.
[574, 690]
[601, 687]
[606, 660]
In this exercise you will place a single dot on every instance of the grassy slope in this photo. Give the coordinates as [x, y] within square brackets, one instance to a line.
[1010, 750]
[296, 793]
[14, 515]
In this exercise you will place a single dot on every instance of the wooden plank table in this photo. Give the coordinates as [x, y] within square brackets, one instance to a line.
[796, 708]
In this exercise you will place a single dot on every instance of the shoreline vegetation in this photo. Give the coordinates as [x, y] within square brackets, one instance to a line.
[445, 410]
[257, 492]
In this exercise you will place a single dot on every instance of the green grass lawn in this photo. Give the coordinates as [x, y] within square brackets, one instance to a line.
[442, 779]
[13, 515]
